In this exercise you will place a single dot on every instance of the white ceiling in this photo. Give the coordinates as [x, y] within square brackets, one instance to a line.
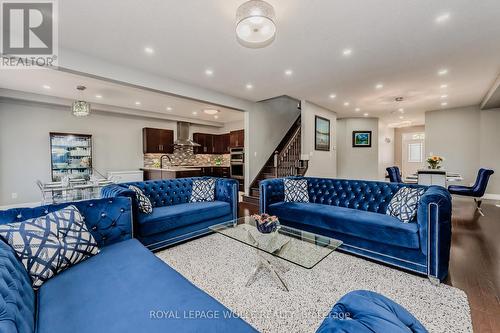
[396, 42]
[63, 85]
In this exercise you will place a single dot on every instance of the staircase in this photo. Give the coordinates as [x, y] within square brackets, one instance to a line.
[284, 162]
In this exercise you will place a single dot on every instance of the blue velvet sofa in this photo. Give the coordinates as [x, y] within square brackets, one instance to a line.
[124, 288]
[354, 211]
[174, 218]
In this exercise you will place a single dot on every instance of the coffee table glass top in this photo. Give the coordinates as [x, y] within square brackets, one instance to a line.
[300, 247]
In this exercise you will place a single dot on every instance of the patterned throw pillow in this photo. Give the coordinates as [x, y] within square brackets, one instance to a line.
[143, 201]
[50, 244]
[404, 203]
[296, 190]
[203, 190]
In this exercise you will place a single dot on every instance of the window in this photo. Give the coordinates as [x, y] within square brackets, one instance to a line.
[415, 151]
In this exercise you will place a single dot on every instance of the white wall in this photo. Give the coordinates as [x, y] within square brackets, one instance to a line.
[25, 150]
[468, 139]
[265, 126]
[357, 163]
[385, 149]
[321, 163]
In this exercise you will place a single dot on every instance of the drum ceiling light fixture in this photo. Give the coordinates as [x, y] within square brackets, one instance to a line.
[255, 27]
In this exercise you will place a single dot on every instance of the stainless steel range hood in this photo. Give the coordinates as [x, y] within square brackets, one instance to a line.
[183, 139]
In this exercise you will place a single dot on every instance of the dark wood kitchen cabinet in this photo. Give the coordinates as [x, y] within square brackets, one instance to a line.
[157, 141]
[237, 139]
[205, 141]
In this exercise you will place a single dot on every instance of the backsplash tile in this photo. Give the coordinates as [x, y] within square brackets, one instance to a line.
[185, 156]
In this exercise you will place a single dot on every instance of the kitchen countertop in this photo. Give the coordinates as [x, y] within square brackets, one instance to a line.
[185, 168]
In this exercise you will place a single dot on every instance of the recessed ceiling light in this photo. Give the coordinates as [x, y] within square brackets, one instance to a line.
[357, 109]
[442, 72]
[195, 113]
[169, 108]
[149, 50]
[444, 86]
[444, 96]
[442, 18]
[288, 72]
[333, 96]
[365, 114]
[444, 103]
[98, 96]
[379, 86]
[137, 103]
[211, 111]
[216, 117]
[346, 103]
[209, 72]
[347, 52]
[46, 86]
[249, 86]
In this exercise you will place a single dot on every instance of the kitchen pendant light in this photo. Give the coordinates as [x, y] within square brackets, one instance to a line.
[255, 27]
[80, 108]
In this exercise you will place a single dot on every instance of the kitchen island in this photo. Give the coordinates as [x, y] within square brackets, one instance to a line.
[172, 172]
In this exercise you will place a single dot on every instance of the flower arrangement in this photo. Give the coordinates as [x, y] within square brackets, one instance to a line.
[266, 223]
[434, 161]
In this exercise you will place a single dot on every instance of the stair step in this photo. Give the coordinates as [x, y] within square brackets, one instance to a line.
[251, 200]
[255, 192]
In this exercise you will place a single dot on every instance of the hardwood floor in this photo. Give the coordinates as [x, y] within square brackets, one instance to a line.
[475, 259]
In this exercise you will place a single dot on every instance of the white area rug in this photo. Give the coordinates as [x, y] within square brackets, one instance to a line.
[220, 266]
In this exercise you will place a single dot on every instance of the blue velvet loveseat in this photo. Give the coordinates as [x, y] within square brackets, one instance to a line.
[354, 211]
[174, 218]
[124, 288]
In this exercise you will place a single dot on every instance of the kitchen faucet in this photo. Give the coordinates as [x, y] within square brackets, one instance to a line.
[161, 160]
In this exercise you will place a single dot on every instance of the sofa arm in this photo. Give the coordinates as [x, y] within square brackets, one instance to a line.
[434, 219]
[116, 190]
[227, 190]
[271, 191]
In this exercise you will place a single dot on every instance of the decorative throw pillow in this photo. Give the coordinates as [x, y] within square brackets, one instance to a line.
[50, 244]
[203, 190]
[404, 203]
[143, 201]
[296, 190]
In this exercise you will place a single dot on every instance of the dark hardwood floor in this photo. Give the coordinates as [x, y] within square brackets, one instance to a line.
[475, 259]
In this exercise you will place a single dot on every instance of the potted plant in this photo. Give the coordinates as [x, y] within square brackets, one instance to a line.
[434, 161]
[266, 223]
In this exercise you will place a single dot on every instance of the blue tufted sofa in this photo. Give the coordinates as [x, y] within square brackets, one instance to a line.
[174, 218]
[354, 212]
[124, 288]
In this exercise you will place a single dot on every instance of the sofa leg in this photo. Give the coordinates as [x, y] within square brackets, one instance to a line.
[478, 206]
[434, 280]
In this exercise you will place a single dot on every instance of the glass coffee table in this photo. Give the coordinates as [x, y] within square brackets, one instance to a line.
[299, 247]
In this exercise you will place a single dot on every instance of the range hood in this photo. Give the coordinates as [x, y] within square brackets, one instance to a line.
[183, 139]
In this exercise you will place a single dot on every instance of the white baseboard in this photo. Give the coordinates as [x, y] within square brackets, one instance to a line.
[491, 196]
[26, 204]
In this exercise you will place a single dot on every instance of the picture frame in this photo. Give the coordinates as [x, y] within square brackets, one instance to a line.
[321, 134]
[362, 139]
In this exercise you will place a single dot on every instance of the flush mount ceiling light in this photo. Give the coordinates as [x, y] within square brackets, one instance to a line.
[255, 27]
[211, 111]
[80, 108]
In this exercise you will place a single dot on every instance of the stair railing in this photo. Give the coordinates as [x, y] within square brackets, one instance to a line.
[287, 161]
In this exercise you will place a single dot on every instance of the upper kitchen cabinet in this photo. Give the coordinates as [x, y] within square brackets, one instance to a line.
[157, 141]
[205, 141]
[237, 139]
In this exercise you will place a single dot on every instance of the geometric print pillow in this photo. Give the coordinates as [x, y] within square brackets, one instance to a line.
[203, 190]
[296, 190]
[49, 244]
[404, 204]
[143, 201]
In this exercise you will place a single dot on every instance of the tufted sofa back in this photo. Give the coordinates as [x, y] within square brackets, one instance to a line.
[109, 221]
[166, 192]
[17, 298]
[357, 194]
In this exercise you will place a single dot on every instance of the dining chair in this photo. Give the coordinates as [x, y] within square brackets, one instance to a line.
[477, 190]
[394, 174]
